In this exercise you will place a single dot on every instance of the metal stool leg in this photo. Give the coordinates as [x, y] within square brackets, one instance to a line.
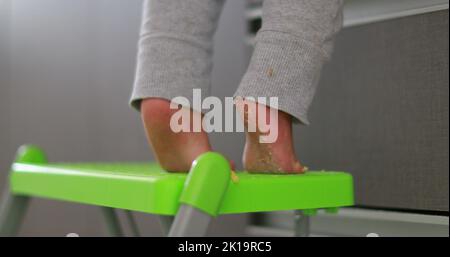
[12, 212]
[190, 222]
[302, 224]
[13, 207]
[112, 222]
[165, 222]
[132, 222]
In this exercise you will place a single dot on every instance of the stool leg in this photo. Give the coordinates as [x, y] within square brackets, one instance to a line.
[112, 222]
[132, 222]
[201, 198]
[190, 222]
[12, 211]
[165, 222]
[302, 224]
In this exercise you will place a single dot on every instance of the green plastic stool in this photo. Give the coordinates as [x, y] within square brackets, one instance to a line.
[193, 198]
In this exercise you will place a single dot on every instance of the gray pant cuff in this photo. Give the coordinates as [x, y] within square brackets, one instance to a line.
[285, 67]
[169, 68]
[150, 91]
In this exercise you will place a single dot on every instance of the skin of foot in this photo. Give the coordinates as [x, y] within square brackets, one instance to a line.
[175, 152]
[276, 157]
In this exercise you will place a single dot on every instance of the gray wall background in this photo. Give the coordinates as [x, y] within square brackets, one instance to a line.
[381, 113]
[67, 68]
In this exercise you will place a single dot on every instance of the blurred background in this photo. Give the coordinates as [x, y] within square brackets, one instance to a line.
[381, 111]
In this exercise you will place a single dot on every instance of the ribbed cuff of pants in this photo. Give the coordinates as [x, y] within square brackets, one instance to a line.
[170, 68]
[283, 67]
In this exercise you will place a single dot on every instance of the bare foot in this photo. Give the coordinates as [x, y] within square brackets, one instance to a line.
[174, 151]
[277, 156]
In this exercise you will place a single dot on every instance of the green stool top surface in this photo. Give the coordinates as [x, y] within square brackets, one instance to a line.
[147, 188]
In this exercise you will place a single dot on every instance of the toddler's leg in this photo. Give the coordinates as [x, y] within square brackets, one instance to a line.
[175, 49]
[291, 47]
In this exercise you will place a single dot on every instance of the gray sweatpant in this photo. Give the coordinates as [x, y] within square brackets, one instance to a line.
[295, 40]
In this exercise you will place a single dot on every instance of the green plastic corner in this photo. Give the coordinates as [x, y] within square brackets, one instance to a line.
[30, 154]
[207, 183]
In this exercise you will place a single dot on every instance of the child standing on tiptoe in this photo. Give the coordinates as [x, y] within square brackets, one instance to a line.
[175, 50]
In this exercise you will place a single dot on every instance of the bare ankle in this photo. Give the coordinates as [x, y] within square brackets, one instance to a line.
[174, 151]
[277, 156]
